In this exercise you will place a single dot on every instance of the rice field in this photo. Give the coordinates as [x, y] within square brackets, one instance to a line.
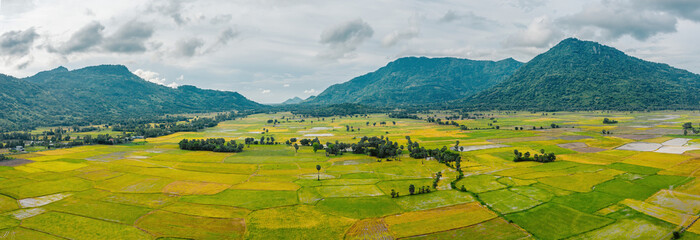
[638, 183]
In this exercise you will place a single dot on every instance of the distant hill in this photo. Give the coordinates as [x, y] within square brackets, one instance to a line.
[294, 100]
[99, 94]
[419, 80]
[584, 75]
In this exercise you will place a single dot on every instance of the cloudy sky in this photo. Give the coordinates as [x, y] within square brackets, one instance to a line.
[271, 50]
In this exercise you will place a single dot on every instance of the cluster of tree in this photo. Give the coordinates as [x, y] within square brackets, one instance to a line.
[688, 127]
[211, 144]
[442, 155]
[343, 109]
[545, 157]
[403, 114]
[14, 139]
[380, 147]
[105, 139]
[440, 122]
[421, 190]
[553, 125]
[155, 130]
[16, 136]
[521, 128]
[3, 157]
[12, 144]
[270, 140]
[606, 132]
[85, 129]
[337, 148]
[349, 128]
[436, 180]
[609, 121]
[464, 114]
[315, 143]
[308, 142]
[272, 121]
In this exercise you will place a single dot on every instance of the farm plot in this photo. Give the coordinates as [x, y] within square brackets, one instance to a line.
[168, 224]
[627, 229]
[554, 221]
[369, 229]
[432, 200]
[359, 208]
[480, 183]
[349, 191]
[506, 201]
[436, 220]
[497, 229]
[665, 214]
[295, 222]
[580, 182]
[107, 211]
[194, 188]
[207, 210]
[77, 227]
[250, 199]
[682, 202]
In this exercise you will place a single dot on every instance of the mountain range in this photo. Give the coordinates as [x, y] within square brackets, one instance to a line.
[573, 75]
[419, 80]
[585, 75]
[294, 100]
[99, 94]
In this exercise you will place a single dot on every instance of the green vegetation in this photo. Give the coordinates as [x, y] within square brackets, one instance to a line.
[583, 75]
[553, 221]
[211, 144]
[99, 95]
[153, 189]
[77, 227]
[250, 199]
[413, 81]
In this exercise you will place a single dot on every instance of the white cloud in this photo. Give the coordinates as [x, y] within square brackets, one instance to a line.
[286, 85]
[540, 33]
[266, 91]
[394, 37]
[154, 77]
[311, 91]
[344, 38]
[248, 46]
[614, 19]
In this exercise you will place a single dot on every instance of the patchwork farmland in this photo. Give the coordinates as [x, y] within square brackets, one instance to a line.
[638, 180]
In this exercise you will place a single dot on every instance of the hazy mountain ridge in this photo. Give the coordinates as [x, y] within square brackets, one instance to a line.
[294, 100]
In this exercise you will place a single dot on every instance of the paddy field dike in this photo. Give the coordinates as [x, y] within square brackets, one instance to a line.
[639, 182]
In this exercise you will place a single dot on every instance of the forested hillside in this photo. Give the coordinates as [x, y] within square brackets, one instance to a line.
[413, 80]
[101, 94]
[584, 75]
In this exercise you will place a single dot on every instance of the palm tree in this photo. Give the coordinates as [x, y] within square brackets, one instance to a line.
[318, 171]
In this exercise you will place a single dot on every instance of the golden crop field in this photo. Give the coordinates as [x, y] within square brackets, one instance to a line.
[599, 186]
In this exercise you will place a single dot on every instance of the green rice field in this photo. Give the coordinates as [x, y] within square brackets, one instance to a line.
[150, 189]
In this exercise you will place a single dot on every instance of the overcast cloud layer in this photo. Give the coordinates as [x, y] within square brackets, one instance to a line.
[271, 50]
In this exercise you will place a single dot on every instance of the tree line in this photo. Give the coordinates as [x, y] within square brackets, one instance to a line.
[149, 130]
[442, 155]
[211, 144]
[688, 128]
[543, 158]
